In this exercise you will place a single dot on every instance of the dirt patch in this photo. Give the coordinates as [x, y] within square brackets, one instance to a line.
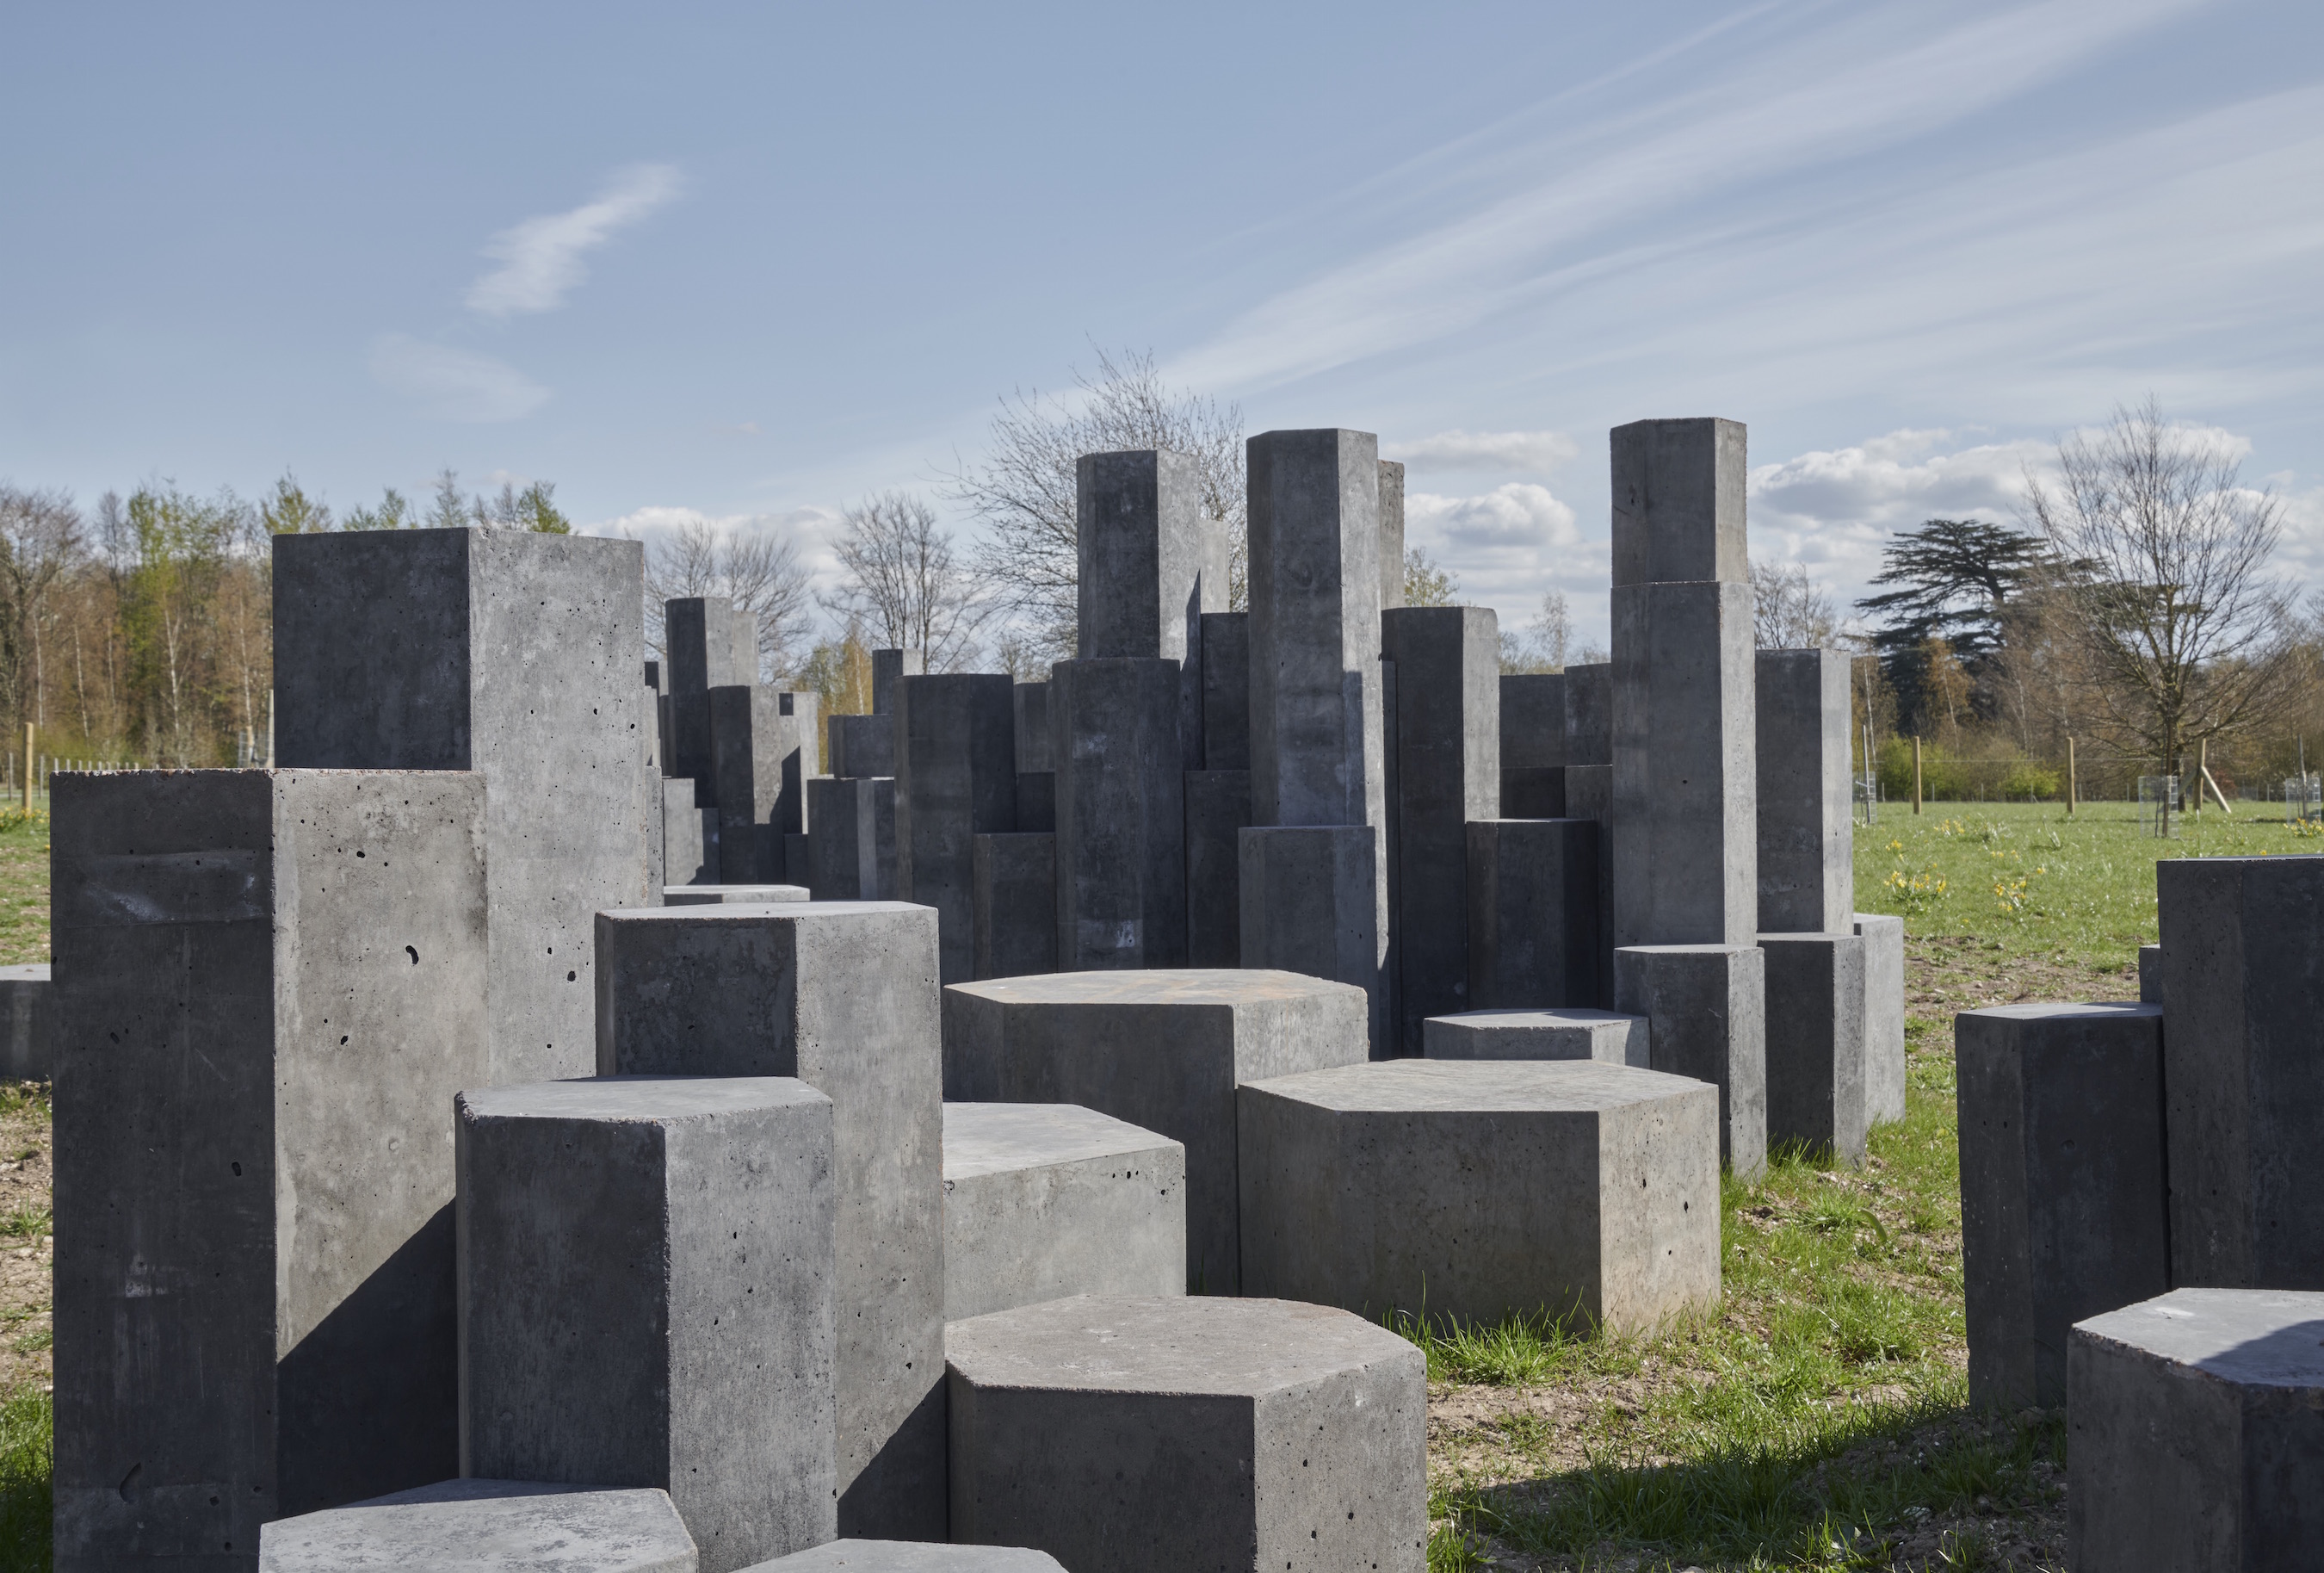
[27, 1173]
[1946, 973]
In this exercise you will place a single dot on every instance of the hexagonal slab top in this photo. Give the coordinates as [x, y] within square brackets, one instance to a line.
[707, 895]
[486, 1526]
[990, 1138]
[737, 911]
[910, 1556]
[1198, 986]
[2052, 1012]
[1195, 1344]
[1480, 1086]
[1562, 1016]
[652, 1099]
[2258, 1337]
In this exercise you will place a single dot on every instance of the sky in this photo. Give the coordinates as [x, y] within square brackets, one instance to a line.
[752, 263]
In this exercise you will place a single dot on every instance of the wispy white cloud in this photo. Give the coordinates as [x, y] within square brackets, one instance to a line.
[540, 258]
[455, 385]
[1512, 545]
[1538, 451]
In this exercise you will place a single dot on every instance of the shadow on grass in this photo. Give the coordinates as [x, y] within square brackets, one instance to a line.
[26, 1422]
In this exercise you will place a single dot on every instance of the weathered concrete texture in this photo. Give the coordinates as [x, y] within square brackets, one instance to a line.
[270, 984]
[1706, 1017]
[27, 1024]
[1152, 561]
[1313, 903]
[912, 1557]
[861, 746]
[1480, 1190]
[2197, 1433]
[746, 745]
[955, 779]
[690, 836]
[1218, 807]
[1034, 753]
[1534, 794]
[1884, 1015]
[1391, 517]
[512, 654]
[2150, 975]
[1815, 1042]
[2062, 1195]
[1037, 799]
[1448, 773]
[2243, 990]
[1163, 1050]
[844, 997]
[1015, 884]
[1226, 690]
[1588, 794]
[1533, 929]
[1046, 1200]
[1605, 1036]
[890, 668]
[1678, 488]
[486, 1526]
[1120, 900]
[1590, 714]
[851, 856]
[646, 1298]
[743, 631]
[1807, 846]
[731, 895]
[1532, 722]
[1158, 1435]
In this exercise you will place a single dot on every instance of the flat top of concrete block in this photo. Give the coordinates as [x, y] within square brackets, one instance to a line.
[911, 1557]
[32, 972]
[502, 1525]
[2041, 1013]
[757, 911]
[1802, 937]
[988, 1138]
[2266, 1338]
[678, 895]
[1529, 1020]
[651, 1099]
[1194, 985]
[1876, 920]
[1681, 949]
[1169, 1343]
[1479, 1086]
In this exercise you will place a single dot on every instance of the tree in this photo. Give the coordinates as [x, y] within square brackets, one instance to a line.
[451, 511]
[40, 542]
[291, 511]
[1542, 646]
[903, 585]
[393, 512]
[1954, 579]
[1424, 583]
[1788, 612]
[760, 572]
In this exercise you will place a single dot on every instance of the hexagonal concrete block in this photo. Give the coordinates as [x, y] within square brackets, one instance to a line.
[730, 895]
[1474, 1191]
[486, 1526]
[910, 1556]
[1606, 1037]
[1162, 1435]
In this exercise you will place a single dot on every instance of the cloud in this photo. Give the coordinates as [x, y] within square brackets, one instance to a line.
[456, 384]
[1510, 546]
[1540, 451]
[540, 258]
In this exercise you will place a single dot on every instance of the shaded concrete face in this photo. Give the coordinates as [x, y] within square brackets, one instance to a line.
[1016, 892]
[698, 633]
[1037, 799]
[1884, 1015]
[890, 668]
[647, 1282]
[1163, 1050]
[1706, 1017]
[2062, 1195]
[1034, 754]
[842, 996]
[1605, 1036]
[1391, 516]
[1480, 1190]
[955, 779]
[1815, 1042]
[2150, 975]
[1218, 808]
[2198, 1432]
[689, 837]
[1807, 838]
[1532, 722]
[913, 1556]
[1151, 562]
[1313, 902]
[1046, 1201]
[732, 895]
[1678, 489]
[1120, 900]
[1589, 795]
[27, 1022]
[482, 1526]
[862, 746]
[1157, 1435]
[1590, 714]
[851, 856]
[1537, 794]
[746, 753]
[1226, 690]
[1533, 928]
[271, 984]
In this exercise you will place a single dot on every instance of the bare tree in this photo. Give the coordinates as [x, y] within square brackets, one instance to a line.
[903, 585]
[1542, 644]
[759, 571]
[40, 542]
[1788, 612]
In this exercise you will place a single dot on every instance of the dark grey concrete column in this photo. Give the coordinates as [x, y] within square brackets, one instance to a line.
[863, 745]
[1120, 898]
[1218, 811]
[1034, 752]
[1815, 1042]
[802, 731]
[851, 856]
[1532, 914]
[28, 1022]
[697, 639]
[1807, 869]
[1532, 746]
[746, 754]
[1151, 562]
[1016, 892]
[1226, 690]
[1590, 715]
[890, 668]
[1391, 508]
[1706, 1012]
[955, 779]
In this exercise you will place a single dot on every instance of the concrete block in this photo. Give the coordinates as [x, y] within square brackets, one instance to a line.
[1815, 1042]
[487, 1526]
[1590, 714]
[911, 1557]
[955, 779]
[2062, 1194]
[1884, 1015]
[842, 996]
[1313, 902]
[1037, 799]
[890, 668]
[1533, 930]
[2150, 975]
[1226, 690]
[1120, 896]
[1218, 807]
[1163, 1050]
[744, 630]
[654, 679]
[1160, 1434]
[690, 836]
[270, 984]
[1678, 488]
[1046, 1201]
[861, 746]
[746, 745]
[690, 745]
[1015, 879]
[1532, 793]
[27, 1024]
[720, 895]
[1152, 561]
[1588, 794]
[2243, 989]
[1706, 1017]
[1391, 512]
[646, 1298]
[1807, 868]
[697, 633]
[1532, 723]
[512, 654]
[851, 856]
[2196, 1433]
[802, 757]
[1606, 1037]
[799, 860]
[1034, 754]
[1471, 1192]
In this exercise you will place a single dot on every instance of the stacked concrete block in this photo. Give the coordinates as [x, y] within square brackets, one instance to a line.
[1391, 517]
[1157, 1435]
[1534, 913]
[1120, 900]
[1218, 811]
[2150, 975]
[955, 779]
[1226, 690]
[487, 1526]
[890, 668]
[746, 772]
[1046, 1201]
[1606, 1037]
[27, 1022]
[1152, 561]
[1311, 897]
[1475, 1191]
[1814, 1042]
[2196, 1440]
[851, 856]
[844, 997]
[1807, 834]
[652, 790]
[1706, 1010]
[1532, 746]
[862, 746]
[1037, 771]
[2243, 990]
[912, 1557]
[1884, 1015]
[1015, 880]
[697, 636]
[1163, 1050]
[1590, 716]
[2062, 1194]
[646, 1298]
[512, 654]
[799, 858]
[690, 836]
[731, 895]
[269, 985]
[1589, 784]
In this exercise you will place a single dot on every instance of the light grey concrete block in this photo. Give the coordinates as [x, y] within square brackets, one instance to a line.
[802, 757]
[1158, 1435]
[1218, 807]
[486, 1526]
[1391, 514]
[1120, 900]
[28, 1024]
[743, 631]
[1706, 1017]
[1590, 714]
[890, 668]
[270, 984]
[722, 895]
[1034, 754]
[1884, 1015]
[1015, 894]
[955, 779]
[1473, 1191]
[1678, 490]
[2062, 1195]
[1534, 794]
[1532, 723]
[1152, 561]
[1046, 1201]
[1533, 929]
[1606, 1037]
[512, 654]
[1313, 903]
[1806, 799]
[1815, 1042]
[862, 746]
[647, 1298]
[2197, 1435]
[844, 997]
[2150, 975]
[1163, 1050]
[851, 856]
[1226, 690]
[912, 1557]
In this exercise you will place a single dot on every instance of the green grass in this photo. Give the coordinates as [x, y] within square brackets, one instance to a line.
[26, 1420]
[23, 887]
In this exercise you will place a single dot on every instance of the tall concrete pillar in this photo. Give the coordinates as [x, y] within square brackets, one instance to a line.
[1120, 897]
[1218, 811]
[1807, 849]
[1015, 894]
[1226, 690]
[1533, 746]
[746, 771]
[1532, 914]
[851, 856]
[890, 668]
[955, 779]
[1152, 561]
[697, 638]
[1392, 506]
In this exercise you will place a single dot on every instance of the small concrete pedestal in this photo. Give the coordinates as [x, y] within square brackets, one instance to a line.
[1815, 1042]
[486, 1526]
[27, 1022]
[1706, 1014]
[1604, 1036]
[1884, 1015]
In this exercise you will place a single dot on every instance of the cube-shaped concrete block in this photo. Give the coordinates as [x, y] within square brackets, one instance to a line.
[1884, 1014]
[1815, 1042]
[1573, 1034]
[1531, 792]
[2062, 1193]
[731, 895]
[1046, 1201]
[1678, 492]
[1474, 1192]
[27, 1022]
[486, 1526]
[1015, 889]
[911, 1557]
[1706, 1017]
[2196, 1433]
[1159, 1435]
[1391, 546]
[1163, 1050]
[890, 668]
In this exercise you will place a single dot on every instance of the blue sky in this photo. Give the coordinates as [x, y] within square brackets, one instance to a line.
[754, 262]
